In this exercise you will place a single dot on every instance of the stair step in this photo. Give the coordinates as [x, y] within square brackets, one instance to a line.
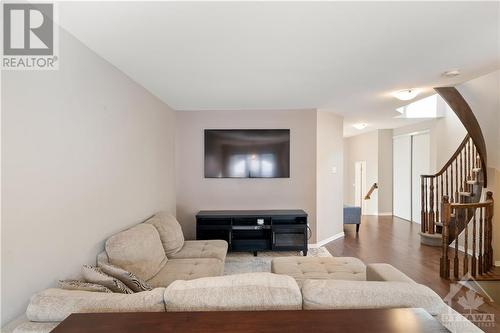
[472, 182]
[476, 170]
[431, 239]
[428, 235]
[439, 224]
[465, 194]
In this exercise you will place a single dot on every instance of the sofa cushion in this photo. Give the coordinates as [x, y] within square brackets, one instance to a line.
[202, 249]
[32, 327]
[241, 292]
[186, 269]
[170, 232]
[57, 304]
[81, 285]
[335, 294]
[129, 279]
[137, 250]
[385, 272]
[302, 268]
[95, 275]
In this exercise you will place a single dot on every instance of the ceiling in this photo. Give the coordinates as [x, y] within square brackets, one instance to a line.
[341, 56]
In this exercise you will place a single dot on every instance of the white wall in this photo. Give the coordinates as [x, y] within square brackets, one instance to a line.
[363, 147]
[385, 177]
[86, 152]
[195, 193]
[329, 183]
[446, 134]
[483, 96]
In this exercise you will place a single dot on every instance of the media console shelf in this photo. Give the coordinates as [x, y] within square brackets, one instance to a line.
[255, 230]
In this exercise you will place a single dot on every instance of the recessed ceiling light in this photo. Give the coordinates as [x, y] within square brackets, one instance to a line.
[407, 94]
[360, 126]
[452, 73]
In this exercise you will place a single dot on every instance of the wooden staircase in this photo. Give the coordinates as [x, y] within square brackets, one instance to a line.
[454, 210]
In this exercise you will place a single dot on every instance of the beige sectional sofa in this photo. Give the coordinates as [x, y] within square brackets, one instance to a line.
[250, 292]
[186, 276]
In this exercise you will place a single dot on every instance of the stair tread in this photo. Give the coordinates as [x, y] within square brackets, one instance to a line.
[476, 169]
[434, 235]
[472, 182]
[465, 194]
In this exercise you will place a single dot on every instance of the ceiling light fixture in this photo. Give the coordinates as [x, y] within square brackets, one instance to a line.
[407, 94]
[452, 73]
[360, 126]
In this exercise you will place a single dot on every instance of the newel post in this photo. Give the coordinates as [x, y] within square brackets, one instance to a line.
[423, 225]
[445, 218]
[489, 223]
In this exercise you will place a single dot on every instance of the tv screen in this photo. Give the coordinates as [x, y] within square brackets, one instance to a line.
[248, 153]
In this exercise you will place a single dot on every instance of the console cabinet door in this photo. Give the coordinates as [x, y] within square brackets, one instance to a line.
[289, 237]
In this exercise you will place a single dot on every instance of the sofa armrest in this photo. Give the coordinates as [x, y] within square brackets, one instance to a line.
[385, 272]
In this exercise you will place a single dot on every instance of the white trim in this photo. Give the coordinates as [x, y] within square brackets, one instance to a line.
[424, 131]
[326, 241]
[385, 214]
[497, 263]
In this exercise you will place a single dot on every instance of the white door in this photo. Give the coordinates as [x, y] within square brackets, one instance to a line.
[360, 184]
[421, 151]
[402, 188]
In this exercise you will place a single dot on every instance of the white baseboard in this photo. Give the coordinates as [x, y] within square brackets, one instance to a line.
[385, 214]
[326, 241]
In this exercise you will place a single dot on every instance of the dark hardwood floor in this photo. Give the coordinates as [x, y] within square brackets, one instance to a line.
[387, 239]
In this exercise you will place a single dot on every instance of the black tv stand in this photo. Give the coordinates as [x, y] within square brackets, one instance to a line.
[255, 230]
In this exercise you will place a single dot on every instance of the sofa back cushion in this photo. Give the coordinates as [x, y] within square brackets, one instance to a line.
[170, 232]
[137, 250]
[57, 304]
[128, 278]
[337, 294]
[241, 292]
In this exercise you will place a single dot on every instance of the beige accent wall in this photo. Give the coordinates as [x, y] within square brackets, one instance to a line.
[86, 152]
[329, 175]
[195, 193]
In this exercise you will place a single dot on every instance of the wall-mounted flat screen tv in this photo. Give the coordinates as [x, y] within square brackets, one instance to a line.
[247, 153]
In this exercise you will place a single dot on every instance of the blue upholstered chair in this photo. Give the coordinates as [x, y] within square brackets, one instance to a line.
[352, 215]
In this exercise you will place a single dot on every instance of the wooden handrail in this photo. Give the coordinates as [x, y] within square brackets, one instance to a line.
[463, 111]
[373, 188]
[450, 161]
[471, 205]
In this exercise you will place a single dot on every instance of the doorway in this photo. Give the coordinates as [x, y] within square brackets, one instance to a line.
[360, 185]
[411, 159]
